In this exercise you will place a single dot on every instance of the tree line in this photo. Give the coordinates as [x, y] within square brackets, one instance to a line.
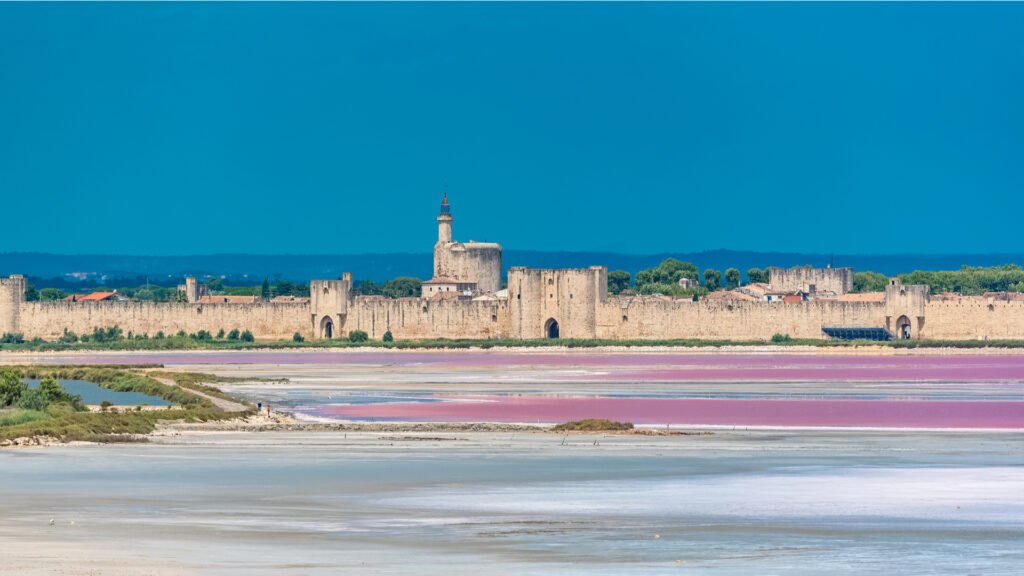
[665, 277]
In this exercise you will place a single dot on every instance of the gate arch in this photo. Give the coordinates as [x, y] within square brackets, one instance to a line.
[551, 328]
[903, 328]
[326, 328]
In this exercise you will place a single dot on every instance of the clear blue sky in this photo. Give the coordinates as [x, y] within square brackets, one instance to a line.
[334, 128]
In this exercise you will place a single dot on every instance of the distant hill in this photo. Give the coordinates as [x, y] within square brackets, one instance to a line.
[252, 268]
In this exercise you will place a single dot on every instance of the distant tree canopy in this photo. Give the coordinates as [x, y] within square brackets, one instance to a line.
[869, 282]
[618, 280]
[712, 279]
[214, 284]
[732, 278]
[757, 275]
[265, 291]
[969, 280]
[668, 272]
[401, 287]
[43, 295]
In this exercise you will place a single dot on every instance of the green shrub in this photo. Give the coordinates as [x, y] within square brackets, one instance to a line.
[233, 335]
[388, 337]
[593, 425]
[247, 336]
[297, 337]
[781, 338]
[11, 387]
[159, 335]
[357, 336]
[105, 404]
[220, 335]
[34, 399]
[11, 338]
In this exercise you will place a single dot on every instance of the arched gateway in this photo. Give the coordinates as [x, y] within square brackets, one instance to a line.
[903, 328]
[551, 328]
[326, 328]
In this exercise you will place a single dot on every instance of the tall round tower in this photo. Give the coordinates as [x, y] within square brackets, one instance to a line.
[477, 263]
[444, 222]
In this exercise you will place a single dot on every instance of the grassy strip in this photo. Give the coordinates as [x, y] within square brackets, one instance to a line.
[593, 425]
[17, 416]
[62, 421]
[443, 343]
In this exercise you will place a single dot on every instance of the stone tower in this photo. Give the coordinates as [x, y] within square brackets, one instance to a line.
[476, 263]
[444, 222]
[12, 295]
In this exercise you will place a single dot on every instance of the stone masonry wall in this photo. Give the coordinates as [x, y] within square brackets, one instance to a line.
[473, 262]
[838, 280]
[266, 321]
[418, 318]
[649, 317]
[973, 318]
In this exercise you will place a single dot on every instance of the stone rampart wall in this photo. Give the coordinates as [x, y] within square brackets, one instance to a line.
[417, 318]
[266, 321]
[649, 317]
[973, 319]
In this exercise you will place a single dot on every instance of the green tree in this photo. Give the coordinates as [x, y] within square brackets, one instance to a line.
[712, 279]
[618, 280]
[402, 287]
[233, 335]
[757, 275]
[358, 336]
[388, 337]
[50, 294]
[220, 334]
[732, 278]
[668, 272]
[869, 282]
[31, 294]
[11, 387]
[215, 284]
[247, 336]
[265, 291]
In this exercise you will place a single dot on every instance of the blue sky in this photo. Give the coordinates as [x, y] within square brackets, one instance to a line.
[334, 128]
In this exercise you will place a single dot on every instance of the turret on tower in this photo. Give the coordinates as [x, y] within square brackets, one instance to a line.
[444, 222]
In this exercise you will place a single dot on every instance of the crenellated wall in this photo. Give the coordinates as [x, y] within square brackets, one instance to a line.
[575, 299]
[973, 318]
[651, 317]
[267, 321]
[420, 318]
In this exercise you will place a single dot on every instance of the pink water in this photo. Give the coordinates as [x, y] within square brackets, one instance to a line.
[627, 366]
[754, 412]
[633, 369]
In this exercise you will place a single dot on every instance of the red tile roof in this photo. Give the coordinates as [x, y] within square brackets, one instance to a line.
[90, 297]
[792, 299]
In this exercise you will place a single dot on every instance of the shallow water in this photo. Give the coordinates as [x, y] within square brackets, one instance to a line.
[92, 393]
[728, 503]
[733, 502]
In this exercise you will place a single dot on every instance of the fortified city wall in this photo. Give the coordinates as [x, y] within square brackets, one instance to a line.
[550, 303]
[267, 321]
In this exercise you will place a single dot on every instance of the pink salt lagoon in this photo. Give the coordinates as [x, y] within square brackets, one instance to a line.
[695, 411]
[646, 388]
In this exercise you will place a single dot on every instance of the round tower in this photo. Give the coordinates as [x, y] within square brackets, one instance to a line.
[444, 222]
